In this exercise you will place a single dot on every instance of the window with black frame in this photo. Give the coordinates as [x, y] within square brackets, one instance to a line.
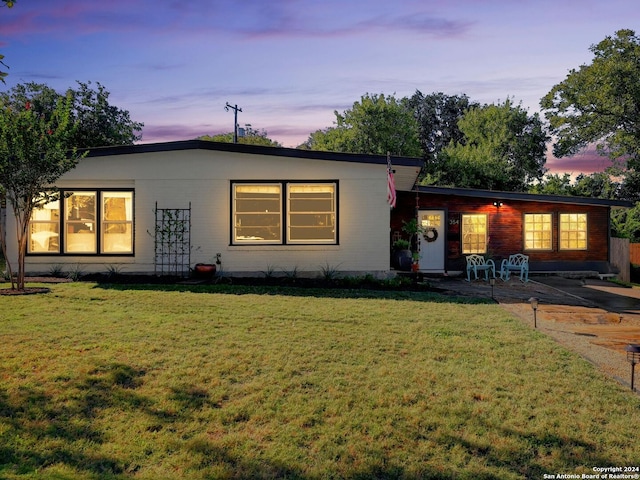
[284, 212]
[84, 222]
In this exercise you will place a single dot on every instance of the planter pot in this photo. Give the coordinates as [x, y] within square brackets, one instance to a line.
[402, 260]
[204, 270]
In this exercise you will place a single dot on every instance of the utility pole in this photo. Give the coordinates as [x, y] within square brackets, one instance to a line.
[235, 119]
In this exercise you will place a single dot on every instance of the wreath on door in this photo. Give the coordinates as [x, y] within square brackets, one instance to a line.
[430, 234]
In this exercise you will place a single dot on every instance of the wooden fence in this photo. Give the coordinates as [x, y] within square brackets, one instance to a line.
[634, 253]
[620, 257]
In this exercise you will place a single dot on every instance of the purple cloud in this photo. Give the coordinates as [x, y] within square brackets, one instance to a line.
[168, 133]
[419, 23]
[587, 162]
[248, 19]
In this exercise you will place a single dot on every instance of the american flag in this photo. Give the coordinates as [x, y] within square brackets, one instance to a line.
[391, 185]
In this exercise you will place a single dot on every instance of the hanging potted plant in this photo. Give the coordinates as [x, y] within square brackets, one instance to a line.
[415, 266]
[413, 229]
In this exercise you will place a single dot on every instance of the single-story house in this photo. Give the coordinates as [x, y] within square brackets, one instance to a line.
[161, 208]
[558, 233]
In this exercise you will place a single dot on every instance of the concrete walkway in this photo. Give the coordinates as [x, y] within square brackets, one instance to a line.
[595, 318]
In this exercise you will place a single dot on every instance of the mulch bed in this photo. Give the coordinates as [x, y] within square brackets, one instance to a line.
[34, 290]
[26, 291]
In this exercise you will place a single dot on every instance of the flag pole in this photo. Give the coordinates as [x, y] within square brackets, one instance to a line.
[391, 185]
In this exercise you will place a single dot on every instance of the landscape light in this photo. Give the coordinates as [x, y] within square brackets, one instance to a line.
[633, 355]
[534, 305]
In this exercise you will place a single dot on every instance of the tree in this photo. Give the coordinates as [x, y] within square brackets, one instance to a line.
[331, 139]
[438, 115]
[377, 124]
[553, 184]
[97, 122]
[596, 185]
[503, 148]
[8, 3]
[600, 103]
[630, 186]
[250, 137]
[34, 152]
[625, 223]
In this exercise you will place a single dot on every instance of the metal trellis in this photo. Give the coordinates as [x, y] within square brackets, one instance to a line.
[173, 241]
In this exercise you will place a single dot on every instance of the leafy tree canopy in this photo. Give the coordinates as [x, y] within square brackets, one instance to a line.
[35, 150]
[10, 4]
[596, 185]
[503, 148]
[626, 223]
[463, 144]
[438, 115]
[98, 123]
[600, 103]
[250, 137]
[377, 124]
[553, 184]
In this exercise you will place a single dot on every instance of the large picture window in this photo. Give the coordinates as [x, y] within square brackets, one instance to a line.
[474, 233]
[284, 212]
[84, 222]
[573, 231]
[538, 231]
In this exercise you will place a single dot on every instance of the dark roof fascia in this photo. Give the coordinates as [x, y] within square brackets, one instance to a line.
[525, 197]
[251, 149]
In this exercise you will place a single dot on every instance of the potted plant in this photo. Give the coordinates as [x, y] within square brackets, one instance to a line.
[204, 270]
[401, 256]
[207, 270]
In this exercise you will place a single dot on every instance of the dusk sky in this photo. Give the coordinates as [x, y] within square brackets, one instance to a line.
[290, 63]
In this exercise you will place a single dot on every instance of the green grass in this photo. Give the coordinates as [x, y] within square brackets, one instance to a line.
[100, 382]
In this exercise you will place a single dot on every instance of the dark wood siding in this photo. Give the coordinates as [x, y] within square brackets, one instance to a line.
[506, 229]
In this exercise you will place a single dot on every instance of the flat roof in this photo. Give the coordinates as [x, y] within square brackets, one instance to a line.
[252, 149]
[531, 197]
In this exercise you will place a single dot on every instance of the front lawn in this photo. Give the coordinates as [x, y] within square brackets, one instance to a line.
[230, 382]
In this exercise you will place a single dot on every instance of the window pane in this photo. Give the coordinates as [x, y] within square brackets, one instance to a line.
[44, 229]
[573, 231]
[117, 206]
[257, 213]
[312, 213]
[474, 234]
[431, 220]
[117, 222]
[80, 227]
[537, 231]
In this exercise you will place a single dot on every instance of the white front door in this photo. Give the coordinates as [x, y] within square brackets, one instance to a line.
[432, 239]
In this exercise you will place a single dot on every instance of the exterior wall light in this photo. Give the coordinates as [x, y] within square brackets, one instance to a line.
[497, 204]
